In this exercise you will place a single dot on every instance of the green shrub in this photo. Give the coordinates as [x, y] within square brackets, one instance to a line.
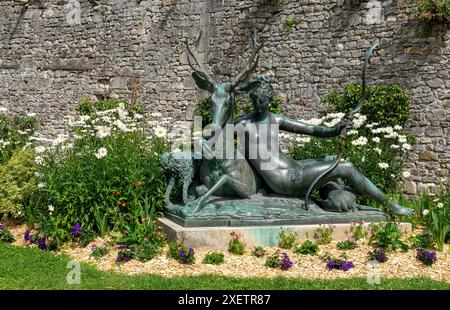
[387, 105]
[214, 258]
[236, 246]
[98, 251]
[387, 236]
[286, 240]
[180, 252]
[274, 260]
[323, 235]
[5, 235]
[378, 152]
[17, 183]
[258, 251]
[15, 132]
[358, 232]
[437, 219]
[105, 176]
[377, 144]
[346, 245]
[289, 23]
[307, 248]
[433, 12]
[148, 250]
[433, 213]
[423, 240]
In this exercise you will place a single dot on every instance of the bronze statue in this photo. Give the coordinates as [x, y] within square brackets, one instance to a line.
[293, 178]
[250, 172]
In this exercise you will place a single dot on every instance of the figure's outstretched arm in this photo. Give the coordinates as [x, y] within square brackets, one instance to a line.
[294, 126]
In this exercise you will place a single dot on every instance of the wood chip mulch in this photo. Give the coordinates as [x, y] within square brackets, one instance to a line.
[399, 264]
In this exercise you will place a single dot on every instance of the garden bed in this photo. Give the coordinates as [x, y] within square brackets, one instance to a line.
[399, 265]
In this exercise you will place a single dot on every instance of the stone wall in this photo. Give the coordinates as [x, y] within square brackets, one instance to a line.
[49, 61]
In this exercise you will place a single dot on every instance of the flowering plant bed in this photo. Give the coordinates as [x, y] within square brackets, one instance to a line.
[400, 264]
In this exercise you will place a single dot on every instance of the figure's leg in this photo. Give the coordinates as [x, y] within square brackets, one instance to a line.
[186, 182]
[356, 179]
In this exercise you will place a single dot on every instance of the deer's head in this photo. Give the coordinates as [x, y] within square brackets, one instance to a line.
[222, 94]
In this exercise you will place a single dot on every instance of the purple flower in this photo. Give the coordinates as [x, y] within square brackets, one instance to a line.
[426, 257]
[94, 246]
[182, 253]
[331, 265]
[286, 263]
[41, 243]
[76, 229]
[27, 235]
[122, 247]
[191, 250]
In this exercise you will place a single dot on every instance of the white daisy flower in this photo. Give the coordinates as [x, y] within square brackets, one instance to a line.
[360, 141]
[160, 132]
[39, 149]
[383, 165]
[440, 205]
[402, 139]
[406, 174]
[39, 160]
[103, 132]
[425, 212]
[102, 152]
[406, 146]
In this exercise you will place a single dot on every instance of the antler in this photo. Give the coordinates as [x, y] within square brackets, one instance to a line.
[252, 62]
[201, 71]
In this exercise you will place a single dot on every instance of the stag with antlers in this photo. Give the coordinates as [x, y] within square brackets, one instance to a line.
[215, 173]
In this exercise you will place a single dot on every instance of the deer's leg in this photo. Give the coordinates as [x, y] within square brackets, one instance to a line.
[186, 182]
[222, 181]
[169, 190]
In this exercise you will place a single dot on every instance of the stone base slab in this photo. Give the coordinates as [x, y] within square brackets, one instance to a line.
[217, 238]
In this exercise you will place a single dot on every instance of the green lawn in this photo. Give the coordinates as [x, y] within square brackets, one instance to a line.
[30, 268]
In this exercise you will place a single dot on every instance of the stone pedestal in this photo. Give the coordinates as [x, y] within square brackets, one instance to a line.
[217, 238]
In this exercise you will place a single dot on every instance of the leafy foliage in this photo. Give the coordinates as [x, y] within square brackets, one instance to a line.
[386, 104]
[236, 246]
[388, 236]
[5, 235]
[17, 183]
[324, 235]
[286, 240]
[99, 251]
[258, 251]
[274, 260]
[149, 249]
[307, 248]
[214, 258]
[433, 12]
[423, 240]
[346, 245]
[105, 175]
[14, 134]
[180, 252]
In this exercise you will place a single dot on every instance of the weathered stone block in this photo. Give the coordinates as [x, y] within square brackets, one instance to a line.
[428, 155]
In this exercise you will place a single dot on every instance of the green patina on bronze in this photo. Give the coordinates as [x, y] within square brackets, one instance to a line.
[237, 192]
